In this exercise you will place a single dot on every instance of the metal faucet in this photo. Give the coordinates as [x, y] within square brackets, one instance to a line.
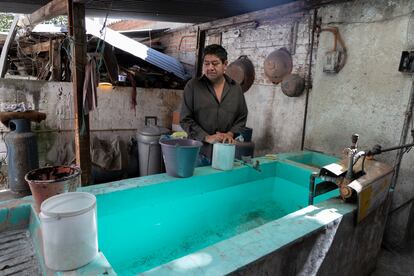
[353, 156]
[333, 181]
[247, 160]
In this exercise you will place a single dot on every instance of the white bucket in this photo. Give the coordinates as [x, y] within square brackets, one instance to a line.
[223, 156]
[69, 230]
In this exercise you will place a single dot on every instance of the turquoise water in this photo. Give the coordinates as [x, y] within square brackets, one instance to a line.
[313, 159]
[155, 230]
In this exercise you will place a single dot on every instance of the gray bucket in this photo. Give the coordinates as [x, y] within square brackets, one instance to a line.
[180, 156]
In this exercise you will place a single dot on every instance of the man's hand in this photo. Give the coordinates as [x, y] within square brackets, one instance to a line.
[220, 137]
[211, 139]
[226, 137]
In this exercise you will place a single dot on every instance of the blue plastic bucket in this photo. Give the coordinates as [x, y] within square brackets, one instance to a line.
[180, 156]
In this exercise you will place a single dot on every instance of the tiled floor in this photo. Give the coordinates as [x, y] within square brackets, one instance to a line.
[396, 262]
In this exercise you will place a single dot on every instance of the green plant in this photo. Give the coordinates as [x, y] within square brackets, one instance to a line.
[6, 19]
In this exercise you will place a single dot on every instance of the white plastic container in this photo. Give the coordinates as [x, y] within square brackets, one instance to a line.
[223, 156]
[69, 230]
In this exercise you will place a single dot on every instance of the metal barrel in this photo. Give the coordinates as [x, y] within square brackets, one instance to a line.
[22, 155]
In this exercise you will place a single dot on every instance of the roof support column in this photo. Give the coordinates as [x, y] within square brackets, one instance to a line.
[76, 18]
[201, 42]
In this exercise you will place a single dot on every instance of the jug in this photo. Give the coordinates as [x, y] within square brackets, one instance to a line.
[223, 156]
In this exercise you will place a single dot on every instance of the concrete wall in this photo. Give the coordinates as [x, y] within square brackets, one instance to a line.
[369, 96]
[114, 116]
[339, 248]
[276, 119]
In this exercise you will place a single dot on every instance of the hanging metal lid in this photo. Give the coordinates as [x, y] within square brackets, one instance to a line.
[242, 72]
[151, 133]
[277, 65]
[293, 85]
[154, 131]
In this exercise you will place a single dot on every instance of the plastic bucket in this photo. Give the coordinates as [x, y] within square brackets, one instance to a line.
[223, 156]
[69, 230]
[180, 156]
[49, 181]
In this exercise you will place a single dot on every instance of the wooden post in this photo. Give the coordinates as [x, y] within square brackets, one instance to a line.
[76, 18]
[56, 60]
[201, 41]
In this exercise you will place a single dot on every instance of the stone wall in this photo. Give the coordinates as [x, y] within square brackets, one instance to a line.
[368, 96]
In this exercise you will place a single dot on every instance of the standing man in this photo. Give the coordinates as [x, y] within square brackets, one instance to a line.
[213, 107]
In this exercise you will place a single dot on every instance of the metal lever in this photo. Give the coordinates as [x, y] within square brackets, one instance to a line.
[355, 138]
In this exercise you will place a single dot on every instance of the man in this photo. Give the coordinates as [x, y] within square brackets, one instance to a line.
[213, 107]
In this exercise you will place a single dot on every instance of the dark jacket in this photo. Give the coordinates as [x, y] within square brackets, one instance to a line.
[202, 114]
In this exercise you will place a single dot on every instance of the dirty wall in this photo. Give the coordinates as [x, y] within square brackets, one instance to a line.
[368, 96]
[115, 115]
[277, 120]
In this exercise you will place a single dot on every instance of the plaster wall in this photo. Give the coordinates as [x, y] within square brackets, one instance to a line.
[338, 248]
[114, 116]
[368, 96]
[276, 119]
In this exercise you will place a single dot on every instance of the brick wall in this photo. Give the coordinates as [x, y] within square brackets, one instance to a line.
[181, 45]
[277, 120]
[257, 43]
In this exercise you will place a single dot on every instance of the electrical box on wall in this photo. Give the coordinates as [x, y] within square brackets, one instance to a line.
[407, 62]
[331, 62]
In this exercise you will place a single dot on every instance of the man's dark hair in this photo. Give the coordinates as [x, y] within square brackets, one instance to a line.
[217, 50]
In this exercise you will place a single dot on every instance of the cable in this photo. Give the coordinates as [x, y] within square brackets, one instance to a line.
[100, 47]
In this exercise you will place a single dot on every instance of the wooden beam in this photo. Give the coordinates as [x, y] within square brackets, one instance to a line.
[76, 12]
[6, 47]
[270, 13]
[48, 11]
[201, 42]
[37, 48]
[56, 60]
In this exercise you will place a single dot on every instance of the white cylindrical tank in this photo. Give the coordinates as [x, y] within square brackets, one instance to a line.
[69, 230]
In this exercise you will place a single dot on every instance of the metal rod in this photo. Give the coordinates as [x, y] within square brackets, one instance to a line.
[312, 187]
[408, 118]
[397, 147]
[309, 79]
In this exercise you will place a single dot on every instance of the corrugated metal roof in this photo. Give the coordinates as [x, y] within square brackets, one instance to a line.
[163, 61]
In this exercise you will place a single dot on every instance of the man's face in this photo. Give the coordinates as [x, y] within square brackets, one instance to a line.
[213, 67]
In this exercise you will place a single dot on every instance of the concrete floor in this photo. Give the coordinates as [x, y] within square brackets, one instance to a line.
[396, 262]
